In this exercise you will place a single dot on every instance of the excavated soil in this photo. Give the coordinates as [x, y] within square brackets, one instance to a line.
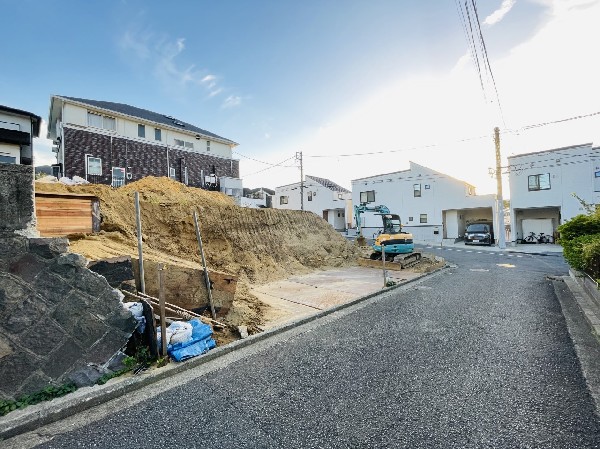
[257, 245]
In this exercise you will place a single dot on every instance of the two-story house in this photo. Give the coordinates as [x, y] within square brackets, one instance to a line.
[321, 196]
[17, 130]
[432, 206]
[115, 143]
[542, 185]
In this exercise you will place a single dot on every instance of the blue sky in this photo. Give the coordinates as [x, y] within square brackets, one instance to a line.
[322, 77]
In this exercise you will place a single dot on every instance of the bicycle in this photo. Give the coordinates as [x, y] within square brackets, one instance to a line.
[543, 238]
[531, 238]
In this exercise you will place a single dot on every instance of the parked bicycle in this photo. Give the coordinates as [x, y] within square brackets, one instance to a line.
[541, 238]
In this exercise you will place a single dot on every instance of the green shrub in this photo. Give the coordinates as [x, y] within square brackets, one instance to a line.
[579, 226]
[591, 257]
[582, 251]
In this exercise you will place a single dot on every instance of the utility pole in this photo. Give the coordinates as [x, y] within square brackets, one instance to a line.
[499, 200]
[299, 158]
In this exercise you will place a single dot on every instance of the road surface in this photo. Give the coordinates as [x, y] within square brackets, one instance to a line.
[475, 356]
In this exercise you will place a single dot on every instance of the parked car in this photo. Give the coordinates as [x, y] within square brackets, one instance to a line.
[479, 234]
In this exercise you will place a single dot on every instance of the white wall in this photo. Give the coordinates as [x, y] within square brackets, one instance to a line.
[77, 115]
[11, 151]
[323, 199]
[395, 190]
[15, 122]
[571, 170]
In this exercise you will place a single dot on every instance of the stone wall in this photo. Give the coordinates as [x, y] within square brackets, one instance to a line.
[17, 211]
[56, 316]
[144, 159]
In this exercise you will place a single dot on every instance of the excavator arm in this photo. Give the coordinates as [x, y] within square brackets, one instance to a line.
[362, 208]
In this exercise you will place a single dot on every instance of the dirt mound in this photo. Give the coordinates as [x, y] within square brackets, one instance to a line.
[258, 245]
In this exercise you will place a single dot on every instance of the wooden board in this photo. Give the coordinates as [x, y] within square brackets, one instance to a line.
[58, 216]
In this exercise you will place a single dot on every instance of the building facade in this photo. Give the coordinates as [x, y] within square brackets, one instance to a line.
[321, 196]
[543, 184]
[114, 143]
[17, 130]
[432, 206]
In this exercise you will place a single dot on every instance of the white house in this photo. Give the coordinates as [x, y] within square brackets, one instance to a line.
[432, 206]
[257, 198]
[17, 130]
[542, 185]
[115, 143]
[321, 196]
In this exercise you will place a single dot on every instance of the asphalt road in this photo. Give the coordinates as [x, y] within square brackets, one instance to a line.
[475, 356]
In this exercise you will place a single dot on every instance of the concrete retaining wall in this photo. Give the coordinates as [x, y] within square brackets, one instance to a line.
[56, 316]
[17, 211]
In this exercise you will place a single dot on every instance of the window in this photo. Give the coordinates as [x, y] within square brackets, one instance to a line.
[427, 186]
[102, 121]
[8, 159]
[208, 145]
[410, 218]
[367, 197]
[94, 166]
[183, 143]
[157, 134]
[340, 196]
[423, 218]
[172, 172]
[118, 177]
[283, 199]
[142, 131]
[539, 182]
[310, 195]
[417, 190]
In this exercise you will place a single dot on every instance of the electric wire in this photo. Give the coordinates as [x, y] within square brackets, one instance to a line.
[487, 61]
[280, 164]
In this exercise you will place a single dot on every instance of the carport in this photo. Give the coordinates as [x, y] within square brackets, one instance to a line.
[456, 220]
[536, 220]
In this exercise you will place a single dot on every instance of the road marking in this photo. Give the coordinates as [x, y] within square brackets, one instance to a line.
[448, 249]
[478, 252]
[505, 265]
[459, 250]
[519, 256]
[478, 269]
[469, 251]
[509, 255]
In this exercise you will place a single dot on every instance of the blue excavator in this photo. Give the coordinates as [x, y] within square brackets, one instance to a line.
[398, 245]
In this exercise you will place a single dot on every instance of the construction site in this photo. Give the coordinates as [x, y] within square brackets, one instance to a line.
[237, 271]
[251, 248]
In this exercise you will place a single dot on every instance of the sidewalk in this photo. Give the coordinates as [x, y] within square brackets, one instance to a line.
[541, 249]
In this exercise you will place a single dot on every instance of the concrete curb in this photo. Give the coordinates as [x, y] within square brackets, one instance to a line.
[35, 416]
[584, 334]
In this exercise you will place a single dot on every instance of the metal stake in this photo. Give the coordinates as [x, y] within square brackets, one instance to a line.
[138, 222]
[383, 261]
[206, 278]
[161, 302]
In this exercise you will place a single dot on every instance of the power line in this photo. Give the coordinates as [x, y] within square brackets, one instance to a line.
[280, 164]
[425, 146]
[487, 60]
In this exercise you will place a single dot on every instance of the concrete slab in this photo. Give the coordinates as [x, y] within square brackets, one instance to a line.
[303, 295]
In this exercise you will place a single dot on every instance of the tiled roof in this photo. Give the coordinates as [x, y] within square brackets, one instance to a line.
[148, 115]
[329, 184]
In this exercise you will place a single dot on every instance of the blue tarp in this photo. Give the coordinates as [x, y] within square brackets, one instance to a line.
[200, 343]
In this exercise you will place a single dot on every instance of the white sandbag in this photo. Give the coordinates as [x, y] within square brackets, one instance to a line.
[182, 332]
[136, 308]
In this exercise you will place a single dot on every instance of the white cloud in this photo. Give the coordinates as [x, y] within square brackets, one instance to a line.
[42, 147]
[499, 14]
[232, 101]
[165, 56]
